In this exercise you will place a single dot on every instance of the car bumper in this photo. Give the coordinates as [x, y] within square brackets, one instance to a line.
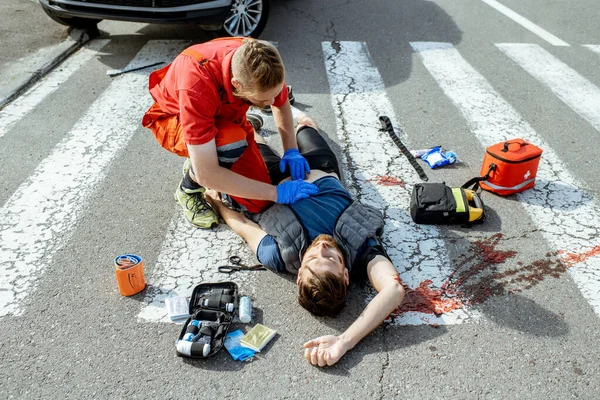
[150, 11]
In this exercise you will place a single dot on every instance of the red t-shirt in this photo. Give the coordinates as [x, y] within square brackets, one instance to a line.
[199, 94]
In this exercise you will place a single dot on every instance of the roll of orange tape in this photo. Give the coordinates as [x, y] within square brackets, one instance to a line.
[130, 274]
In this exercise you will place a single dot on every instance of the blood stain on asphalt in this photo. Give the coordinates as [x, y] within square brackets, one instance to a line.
[572, 258]
[427, 300]
[477, 278]
[387, 180]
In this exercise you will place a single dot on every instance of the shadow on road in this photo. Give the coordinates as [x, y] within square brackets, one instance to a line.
[524, 315]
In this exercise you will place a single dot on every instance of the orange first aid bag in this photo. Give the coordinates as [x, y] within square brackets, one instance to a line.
[511, 165]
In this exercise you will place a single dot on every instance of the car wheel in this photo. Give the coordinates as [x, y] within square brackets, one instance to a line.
[246, 18]
[82, 23]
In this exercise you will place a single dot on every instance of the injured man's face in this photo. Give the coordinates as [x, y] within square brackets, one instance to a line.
[323, 255]
[322, 278]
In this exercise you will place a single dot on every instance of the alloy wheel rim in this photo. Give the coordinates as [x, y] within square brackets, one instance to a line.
[245, 17]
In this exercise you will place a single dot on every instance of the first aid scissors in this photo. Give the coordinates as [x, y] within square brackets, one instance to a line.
[238, 266]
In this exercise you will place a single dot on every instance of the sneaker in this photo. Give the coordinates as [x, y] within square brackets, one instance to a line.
[195, 208]
[255, 120]
[187, 165]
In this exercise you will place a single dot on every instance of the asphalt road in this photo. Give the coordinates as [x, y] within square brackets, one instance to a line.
[508, 309]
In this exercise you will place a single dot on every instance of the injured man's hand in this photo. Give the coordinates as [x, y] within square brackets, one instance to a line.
[325, 350]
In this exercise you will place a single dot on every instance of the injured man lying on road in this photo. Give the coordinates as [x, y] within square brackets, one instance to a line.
[326, 239]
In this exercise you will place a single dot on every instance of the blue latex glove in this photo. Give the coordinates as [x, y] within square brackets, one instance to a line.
[290, 192]
[297, 164]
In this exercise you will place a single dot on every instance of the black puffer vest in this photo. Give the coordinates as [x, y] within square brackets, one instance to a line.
[353, 227]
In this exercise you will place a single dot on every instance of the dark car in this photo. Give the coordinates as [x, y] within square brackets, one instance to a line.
[232, 17]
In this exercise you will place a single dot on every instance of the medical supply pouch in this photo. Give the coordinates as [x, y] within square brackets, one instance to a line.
[436, 157]
[212, 308]
[512, 166]
[235, 348]
[436, 203]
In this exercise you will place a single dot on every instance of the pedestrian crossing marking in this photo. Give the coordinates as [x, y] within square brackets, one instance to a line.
[38, 218]
[190, 256]
[567, 217]
[572, 88]
[24, 104]
[31, 231]
[358, 98]
[527, 24]
[593, 47]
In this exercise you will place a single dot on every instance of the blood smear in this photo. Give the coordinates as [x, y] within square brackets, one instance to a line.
[387, 180]
[477, 279]
[572, 258]
[429, 301]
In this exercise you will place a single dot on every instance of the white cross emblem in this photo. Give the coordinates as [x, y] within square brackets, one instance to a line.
[527, 175]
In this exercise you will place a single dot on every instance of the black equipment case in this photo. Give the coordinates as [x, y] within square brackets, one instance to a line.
[436, 203]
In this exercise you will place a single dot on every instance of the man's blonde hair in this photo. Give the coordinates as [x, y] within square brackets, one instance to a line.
[257, 66]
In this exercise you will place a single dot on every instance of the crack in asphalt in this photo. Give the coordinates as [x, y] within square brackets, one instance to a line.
[191, 256]
[356, 183]
[386, 362]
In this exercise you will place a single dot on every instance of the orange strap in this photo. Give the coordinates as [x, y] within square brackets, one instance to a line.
[195, 55]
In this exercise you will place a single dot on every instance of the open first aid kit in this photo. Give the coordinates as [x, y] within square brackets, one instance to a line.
[212, 308]
[510, 167]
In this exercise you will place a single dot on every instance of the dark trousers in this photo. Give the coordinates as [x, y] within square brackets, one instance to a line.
[312, 146]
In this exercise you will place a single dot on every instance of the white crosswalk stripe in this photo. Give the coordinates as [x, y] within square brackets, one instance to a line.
[572, 88]
[593, 47]
[358, 98]
[190, 256]
[37, 219]
[525, 23]
[567, 217]
[23, 105]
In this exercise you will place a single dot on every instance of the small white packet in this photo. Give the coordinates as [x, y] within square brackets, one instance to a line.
[177, 308]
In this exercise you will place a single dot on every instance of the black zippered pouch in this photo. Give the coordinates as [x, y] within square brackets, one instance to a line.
[436, 203]
[212, 309]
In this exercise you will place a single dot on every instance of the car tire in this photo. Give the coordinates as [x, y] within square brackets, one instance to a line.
[88, 24]
[246, 18]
